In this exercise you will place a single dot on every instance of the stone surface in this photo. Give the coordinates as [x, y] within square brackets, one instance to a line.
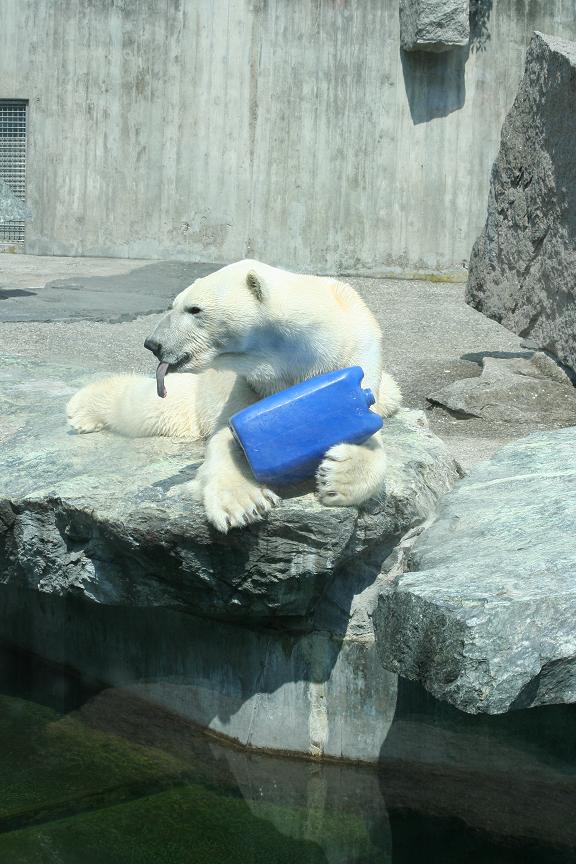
[534, 389]
[523, 265]
[434, 25]
[264, 635]
[485, 618]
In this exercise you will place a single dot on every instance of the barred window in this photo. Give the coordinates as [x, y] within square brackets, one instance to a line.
[13, 163]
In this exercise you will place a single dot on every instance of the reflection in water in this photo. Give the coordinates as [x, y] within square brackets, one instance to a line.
[99, 776]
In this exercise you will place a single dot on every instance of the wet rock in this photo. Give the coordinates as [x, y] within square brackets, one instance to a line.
[533, 390]
[434, 25]
[485, 617]
[523, 265]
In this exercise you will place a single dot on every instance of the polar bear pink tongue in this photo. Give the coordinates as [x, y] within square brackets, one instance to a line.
[160, 373]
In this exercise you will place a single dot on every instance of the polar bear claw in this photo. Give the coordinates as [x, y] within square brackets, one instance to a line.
[81, 413]
[238, 505]
[350, 474]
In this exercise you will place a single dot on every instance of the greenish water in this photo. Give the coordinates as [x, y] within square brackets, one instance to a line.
[96, 776]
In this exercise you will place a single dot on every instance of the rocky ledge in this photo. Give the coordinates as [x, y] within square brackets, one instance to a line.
[89, 516]
[485, 617]
[264, 635]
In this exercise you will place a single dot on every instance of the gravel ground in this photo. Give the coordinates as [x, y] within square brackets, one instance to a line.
[431, 336]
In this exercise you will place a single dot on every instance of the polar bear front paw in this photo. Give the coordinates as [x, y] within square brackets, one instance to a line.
[81, 414]
[237, 505]
[349, 475]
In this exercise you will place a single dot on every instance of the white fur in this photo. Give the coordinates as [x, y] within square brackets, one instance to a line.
[260, 329]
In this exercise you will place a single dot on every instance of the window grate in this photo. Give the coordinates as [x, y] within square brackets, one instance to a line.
[13, 162]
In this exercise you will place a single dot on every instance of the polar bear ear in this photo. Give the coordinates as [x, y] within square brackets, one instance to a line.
[255, 285]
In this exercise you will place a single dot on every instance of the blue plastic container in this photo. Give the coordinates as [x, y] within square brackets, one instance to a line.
[285, 436]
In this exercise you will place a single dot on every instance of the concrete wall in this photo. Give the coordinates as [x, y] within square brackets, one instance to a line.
[289, 130]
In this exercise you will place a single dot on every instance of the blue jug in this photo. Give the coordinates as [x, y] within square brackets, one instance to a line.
[285, 436]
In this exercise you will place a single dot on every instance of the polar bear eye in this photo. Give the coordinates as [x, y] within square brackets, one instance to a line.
[193, 310]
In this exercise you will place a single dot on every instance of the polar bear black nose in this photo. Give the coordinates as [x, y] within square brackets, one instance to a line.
[153, 345]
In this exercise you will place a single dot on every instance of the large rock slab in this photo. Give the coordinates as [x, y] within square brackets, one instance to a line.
[523, 265]
[434, 25]
[89, 515]
[485, 619]
[264, 635]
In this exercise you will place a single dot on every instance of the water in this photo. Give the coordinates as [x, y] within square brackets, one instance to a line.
[90, 775]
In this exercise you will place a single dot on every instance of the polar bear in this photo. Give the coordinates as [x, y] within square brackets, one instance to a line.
[242, 333]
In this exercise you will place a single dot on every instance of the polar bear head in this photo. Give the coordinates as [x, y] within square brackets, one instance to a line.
[217, 315]
[271, 327]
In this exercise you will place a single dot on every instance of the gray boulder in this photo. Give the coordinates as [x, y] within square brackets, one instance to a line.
[434, 25]
[533, 390]
[523, 265]
[264, 635]
[485, 617]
